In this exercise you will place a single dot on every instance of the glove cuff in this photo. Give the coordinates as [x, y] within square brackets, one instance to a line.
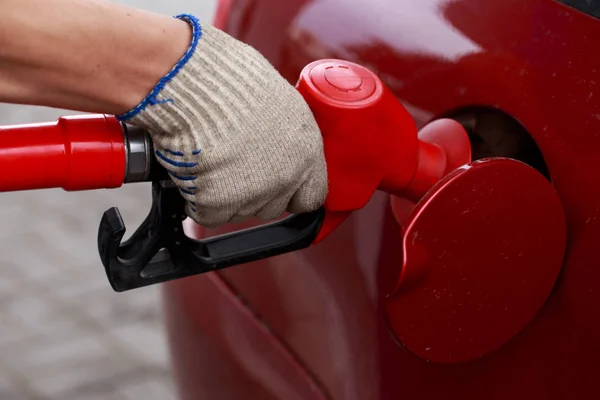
[152, 98]
[220, 86]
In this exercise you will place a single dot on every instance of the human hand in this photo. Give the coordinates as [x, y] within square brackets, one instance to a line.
[237, 139]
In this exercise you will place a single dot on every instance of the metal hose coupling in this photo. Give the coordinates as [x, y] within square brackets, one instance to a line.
[138, 150]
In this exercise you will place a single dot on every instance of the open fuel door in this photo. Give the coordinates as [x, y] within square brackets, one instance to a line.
[482, 252]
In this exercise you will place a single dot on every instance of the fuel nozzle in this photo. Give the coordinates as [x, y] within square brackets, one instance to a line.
[371, 141]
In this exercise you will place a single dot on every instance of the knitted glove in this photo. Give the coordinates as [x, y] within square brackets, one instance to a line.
[236, 138]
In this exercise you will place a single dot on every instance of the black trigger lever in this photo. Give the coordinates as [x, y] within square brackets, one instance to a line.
[159, 251]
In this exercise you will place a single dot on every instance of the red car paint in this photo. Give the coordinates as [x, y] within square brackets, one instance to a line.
[535, 61]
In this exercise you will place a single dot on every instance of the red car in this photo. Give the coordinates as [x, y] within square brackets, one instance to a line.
[522, 76]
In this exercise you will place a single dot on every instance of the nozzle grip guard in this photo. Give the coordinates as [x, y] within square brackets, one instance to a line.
[159, 250]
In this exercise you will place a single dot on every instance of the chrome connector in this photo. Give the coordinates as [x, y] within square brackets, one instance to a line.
[139, 159]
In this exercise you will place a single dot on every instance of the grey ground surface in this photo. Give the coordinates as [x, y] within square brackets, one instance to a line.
[64, 334]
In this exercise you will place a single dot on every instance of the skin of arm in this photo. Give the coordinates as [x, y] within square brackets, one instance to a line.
[85, 55]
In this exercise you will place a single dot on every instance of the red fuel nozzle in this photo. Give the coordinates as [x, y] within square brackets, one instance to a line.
[371, 141]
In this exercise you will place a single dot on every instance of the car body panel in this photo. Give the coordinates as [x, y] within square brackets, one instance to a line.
[326, 304]
[225, 351]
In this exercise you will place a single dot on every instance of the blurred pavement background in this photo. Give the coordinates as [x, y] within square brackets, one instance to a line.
[64, 334]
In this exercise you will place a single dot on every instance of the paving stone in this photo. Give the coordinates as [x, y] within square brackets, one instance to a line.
[146, 343]
[73, 286]
[8, 390]
[117, 309]
[12, 331]
[148, 390]
[49, 353]
[39, 314]
[88, 376]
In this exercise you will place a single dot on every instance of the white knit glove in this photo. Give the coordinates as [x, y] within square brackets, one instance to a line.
[237, 139]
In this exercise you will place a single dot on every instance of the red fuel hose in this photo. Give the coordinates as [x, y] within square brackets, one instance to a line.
[74, 153]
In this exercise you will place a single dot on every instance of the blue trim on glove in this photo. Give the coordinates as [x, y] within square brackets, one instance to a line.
[190, 192]
[151, 99]
[175, 153]
[175, 163]
[182, 177]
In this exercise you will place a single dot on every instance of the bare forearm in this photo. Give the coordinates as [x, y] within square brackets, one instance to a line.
[85, 55]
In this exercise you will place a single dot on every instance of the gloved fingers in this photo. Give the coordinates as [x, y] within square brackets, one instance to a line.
[272, 208]
[208, 217]
[313, 191]
[275, 208]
